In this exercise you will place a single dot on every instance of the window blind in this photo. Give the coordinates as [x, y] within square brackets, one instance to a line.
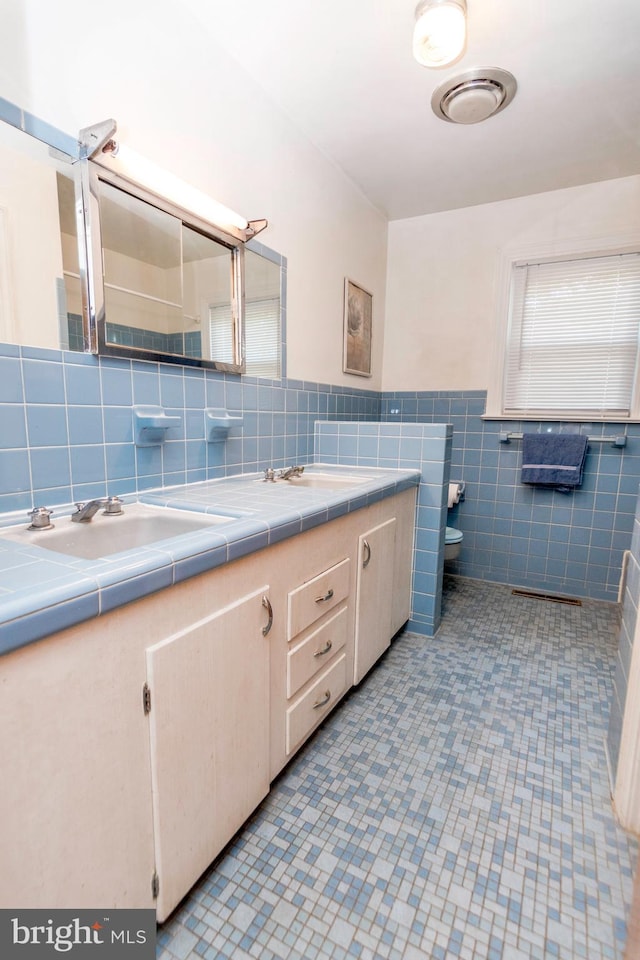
[221, 333]
[262, 336]
[572, 346]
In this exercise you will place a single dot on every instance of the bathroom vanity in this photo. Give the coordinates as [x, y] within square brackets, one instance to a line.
[136, 743]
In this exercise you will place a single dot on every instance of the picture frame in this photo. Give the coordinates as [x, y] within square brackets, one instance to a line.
[358, 314]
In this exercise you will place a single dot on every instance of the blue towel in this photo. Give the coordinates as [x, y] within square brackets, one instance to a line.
[553, 459]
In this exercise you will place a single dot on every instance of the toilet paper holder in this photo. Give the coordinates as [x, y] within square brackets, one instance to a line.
[456, 492]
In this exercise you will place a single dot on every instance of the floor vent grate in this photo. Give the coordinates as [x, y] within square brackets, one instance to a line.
[553, 598]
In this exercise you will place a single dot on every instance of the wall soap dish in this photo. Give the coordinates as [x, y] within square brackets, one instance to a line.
[218, 422]
[150, 425]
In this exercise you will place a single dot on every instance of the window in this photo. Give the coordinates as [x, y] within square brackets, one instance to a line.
[262, 336]
[572, 341]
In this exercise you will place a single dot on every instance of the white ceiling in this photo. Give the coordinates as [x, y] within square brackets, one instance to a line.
[343, 72]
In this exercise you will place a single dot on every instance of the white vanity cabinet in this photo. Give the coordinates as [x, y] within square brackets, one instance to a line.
[134, 745]
[209, 704]
[383, 581]
[374, 595]
[317, 634]
[75, 824]
[332, 641]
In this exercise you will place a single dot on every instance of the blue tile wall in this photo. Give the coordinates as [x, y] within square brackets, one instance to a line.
[66, 434]
[631, 600]
[187, 344]
[66, 430]
[527, 536]
[75, 336]
[425, 447]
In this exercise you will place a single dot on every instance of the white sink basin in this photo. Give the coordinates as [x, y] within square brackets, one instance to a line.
[139, 525]
[325, 481]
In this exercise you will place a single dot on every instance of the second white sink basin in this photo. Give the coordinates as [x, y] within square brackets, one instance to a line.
[139, 525]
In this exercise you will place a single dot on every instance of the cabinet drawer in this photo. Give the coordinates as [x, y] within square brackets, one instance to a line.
[316, 597]
[310, 656]
[317, 702]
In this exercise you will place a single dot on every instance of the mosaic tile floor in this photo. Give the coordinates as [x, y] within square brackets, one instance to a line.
[456, 805]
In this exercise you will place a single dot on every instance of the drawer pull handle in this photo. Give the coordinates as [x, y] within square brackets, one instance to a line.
[327, 596]
[325, 649]
[324, 701]
[367, 553]
[266, 603]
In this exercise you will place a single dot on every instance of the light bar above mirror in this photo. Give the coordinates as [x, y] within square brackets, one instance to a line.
[98, 143]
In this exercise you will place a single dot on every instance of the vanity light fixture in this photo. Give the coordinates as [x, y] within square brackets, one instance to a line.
[93, 140]
[440, 31]
[97, 143]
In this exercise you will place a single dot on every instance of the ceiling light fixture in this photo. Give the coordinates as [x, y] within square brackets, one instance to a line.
[440, 32]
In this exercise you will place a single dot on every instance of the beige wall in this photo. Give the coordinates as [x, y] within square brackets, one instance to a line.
[180, 100]
[445, 274]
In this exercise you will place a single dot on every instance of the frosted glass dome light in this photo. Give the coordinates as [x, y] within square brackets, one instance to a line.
[440, 31]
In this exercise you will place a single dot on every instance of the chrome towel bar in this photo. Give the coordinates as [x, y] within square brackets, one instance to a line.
[620, 441]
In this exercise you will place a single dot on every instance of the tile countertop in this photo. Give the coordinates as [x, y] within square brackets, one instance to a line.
[42, 591]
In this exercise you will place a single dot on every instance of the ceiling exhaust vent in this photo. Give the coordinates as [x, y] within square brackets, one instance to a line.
[474, 95]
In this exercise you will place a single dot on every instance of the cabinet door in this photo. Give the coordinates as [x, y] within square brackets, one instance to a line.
[209, 728]
[75, 824]
[374, 595]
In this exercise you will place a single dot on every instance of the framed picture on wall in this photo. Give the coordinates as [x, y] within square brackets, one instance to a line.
[358, 309]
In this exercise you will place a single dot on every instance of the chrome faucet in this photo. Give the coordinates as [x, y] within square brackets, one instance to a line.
[289, 472]
[85, 511]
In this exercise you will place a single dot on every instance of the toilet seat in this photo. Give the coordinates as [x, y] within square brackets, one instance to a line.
[451, 535]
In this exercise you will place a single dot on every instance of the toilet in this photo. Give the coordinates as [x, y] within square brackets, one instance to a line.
[452, 543]
[453, 537]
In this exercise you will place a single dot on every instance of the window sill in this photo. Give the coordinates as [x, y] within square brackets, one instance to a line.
[557, 418]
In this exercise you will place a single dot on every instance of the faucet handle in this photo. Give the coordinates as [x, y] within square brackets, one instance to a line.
[113, 506]
[40, 518]
[269, 474]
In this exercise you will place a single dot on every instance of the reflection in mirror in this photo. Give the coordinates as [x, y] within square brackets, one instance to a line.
[71, 332]
[262, 319]
[155, 274]
[159, 277]
[30, 254]
[208, 278]
[142, 262]
[263, 324]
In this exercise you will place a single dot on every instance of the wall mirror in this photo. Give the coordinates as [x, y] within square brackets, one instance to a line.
[30, 242]
[93, 263]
